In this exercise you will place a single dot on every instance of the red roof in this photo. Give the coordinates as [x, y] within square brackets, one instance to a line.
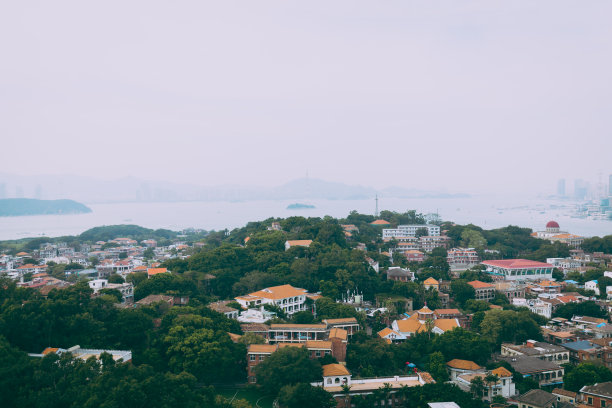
[552, 224]
[517, 264]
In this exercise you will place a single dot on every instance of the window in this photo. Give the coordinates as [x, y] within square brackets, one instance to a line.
[603, 403]
[590, 400]
[253, 357]
[318, 353]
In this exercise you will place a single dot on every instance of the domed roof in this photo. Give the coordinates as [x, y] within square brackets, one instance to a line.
[552, 224]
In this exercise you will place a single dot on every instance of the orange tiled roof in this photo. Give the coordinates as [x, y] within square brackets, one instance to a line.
[480, 285]
[262, 348]
[350, 320]
[410, 326]
[446, 324]
[300, 242]
[279, 292]
[386, 331]
[338, 333]
[380, 222]
[425, 310]
[430, 281]
[319, 344]
[334, 369]
[155, 271]
[463, 364]
[501, 372]
[446, 311]
[49, 350]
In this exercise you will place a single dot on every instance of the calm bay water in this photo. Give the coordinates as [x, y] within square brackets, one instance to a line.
[485, 211]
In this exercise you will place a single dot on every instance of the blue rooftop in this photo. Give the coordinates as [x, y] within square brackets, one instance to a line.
[580, 345]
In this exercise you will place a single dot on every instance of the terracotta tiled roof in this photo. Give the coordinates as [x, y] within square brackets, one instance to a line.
[337, 333]
[463, 364]
[480, 285]
[446, 311]
[425, 376]
[279, 292]
[410, 326]
[334, 369]
[300, 242]
[425, 310]
[262, 348]
[155, 271]
[501, 372]
[235, 337]
[446, 324]
[319, 344]
[49, 350]
[380, 222]
[430, 281]
[346, 320]
[386, 331]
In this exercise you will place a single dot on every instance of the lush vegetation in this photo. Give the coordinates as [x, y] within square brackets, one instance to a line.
[10, 207]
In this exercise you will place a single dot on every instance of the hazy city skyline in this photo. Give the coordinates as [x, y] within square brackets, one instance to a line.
[458, 96]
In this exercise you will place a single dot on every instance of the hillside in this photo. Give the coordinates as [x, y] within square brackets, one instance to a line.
[12, 207]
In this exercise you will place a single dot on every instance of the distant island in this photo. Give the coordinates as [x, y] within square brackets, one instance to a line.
[299, 206]
[14, 207]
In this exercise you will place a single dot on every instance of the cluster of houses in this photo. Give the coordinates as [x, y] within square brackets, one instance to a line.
[120, 256]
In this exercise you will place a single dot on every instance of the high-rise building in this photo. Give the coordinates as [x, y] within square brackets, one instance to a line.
[581, 188]
[610, 185]
[561, 188]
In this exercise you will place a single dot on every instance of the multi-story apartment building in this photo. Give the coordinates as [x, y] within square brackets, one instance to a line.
[288, 298]
[409, 231]
[544, 372]
[462, 256]
[431, 242]
[538, 349]
[484, 291]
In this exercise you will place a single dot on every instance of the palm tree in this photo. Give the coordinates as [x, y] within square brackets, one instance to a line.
[386, 391]
[490, 380]
[477, 387]
[347, 396]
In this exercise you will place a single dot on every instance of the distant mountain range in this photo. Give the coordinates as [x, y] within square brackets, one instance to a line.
[128, 189]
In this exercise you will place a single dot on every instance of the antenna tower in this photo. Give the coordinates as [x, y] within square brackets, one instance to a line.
[376, 213]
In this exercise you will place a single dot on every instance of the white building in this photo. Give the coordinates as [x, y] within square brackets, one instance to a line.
[410, 231]
[536, 306]
[519, 269]
[286, 297]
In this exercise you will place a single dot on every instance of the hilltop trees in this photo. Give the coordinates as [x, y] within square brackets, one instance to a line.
[287, 366]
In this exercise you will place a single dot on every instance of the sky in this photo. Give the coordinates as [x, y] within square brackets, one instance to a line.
[451, 95]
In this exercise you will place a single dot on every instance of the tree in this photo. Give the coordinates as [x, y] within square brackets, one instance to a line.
[114, 278]
[473, 239]
[287, 366]
[305, 395]
[588, 308]
[585, 374]
[462, 291]
[437, 366]
[421, 232]
[477, 387]
[490, 380]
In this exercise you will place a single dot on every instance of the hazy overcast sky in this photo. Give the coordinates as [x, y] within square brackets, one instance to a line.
[462, 95]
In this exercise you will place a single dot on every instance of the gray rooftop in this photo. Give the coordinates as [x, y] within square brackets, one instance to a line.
[528, 364]
[538, 398]
[580, 345]
[539, 348]
[604, 389]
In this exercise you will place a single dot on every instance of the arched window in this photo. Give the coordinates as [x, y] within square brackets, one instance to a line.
[337, 380]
